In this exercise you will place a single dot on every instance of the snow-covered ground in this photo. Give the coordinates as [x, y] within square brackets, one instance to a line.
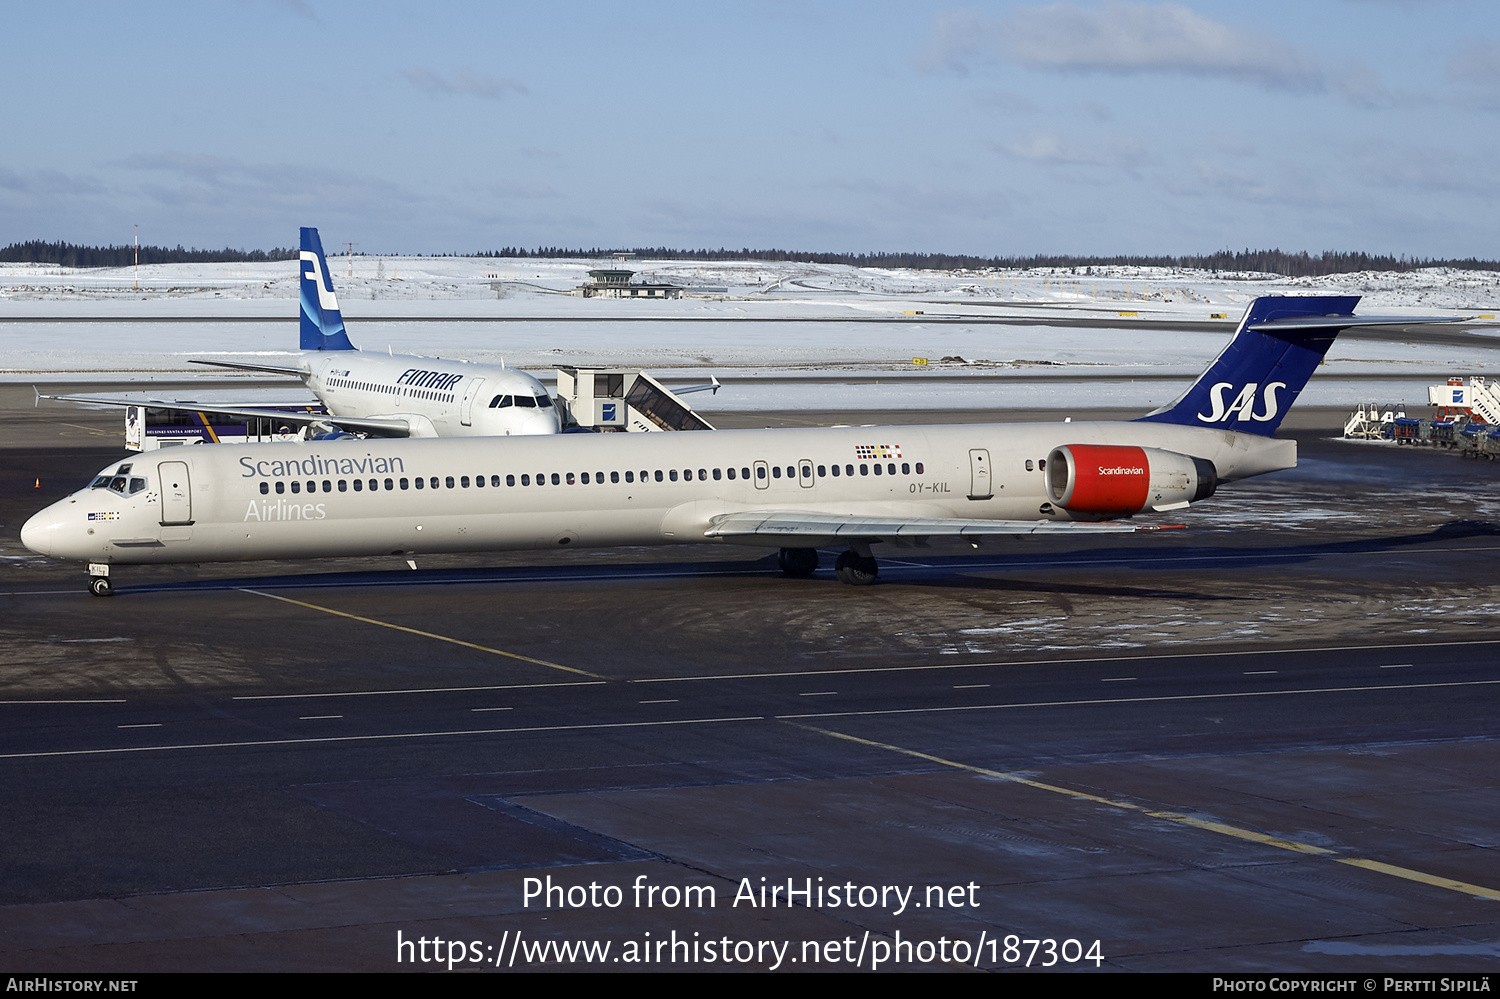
[782, 335]
[395, 279]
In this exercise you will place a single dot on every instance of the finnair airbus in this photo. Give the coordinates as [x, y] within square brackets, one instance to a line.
[794, 489]
[383, 395]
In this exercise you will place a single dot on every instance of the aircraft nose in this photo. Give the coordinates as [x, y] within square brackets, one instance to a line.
[545, 422]
[42, 533]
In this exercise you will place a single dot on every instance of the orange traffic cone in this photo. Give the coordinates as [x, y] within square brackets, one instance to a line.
[38, 483]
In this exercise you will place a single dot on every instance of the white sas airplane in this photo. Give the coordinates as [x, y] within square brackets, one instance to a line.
[382, 395]
[793, 489]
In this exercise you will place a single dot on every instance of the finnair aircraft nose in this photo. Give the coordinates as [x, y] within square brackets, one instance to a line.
[545, 421]
[42, 533]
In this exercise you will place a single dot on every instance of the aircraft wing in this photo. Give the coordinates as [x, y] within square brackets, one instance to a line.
[275, 369]
[388, 427]
[896, 529]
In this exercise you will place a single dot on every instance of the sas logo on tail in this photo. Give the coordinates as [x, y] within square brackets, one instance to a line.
[1244, 403]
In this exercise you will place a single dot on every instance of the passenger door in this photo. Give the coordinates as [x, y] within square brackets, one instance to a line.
[466, 412]
[176, 493]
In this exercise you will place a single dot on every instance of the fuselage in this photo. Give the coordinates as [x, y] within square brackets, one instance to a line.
[437, 397]
[373, 497]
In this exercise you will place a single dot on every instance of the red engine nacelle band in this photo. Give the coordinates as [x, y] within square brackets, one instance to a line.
[1099, 478]
[1115, 480]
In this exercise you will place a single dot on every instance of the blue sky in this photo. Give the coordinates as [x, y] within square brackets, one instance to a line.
[999, 128]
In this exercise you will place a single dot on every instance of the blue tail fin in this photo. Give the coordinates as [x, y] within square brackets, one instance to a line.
[1254, 381]
[322, 325]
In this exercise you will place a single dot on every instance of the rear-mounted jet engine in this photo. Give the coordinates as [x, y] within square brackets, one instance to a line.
[1114, 480]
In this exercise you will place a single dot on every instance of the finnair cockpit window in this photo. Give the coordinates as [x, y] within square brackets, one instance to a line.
[542, 401]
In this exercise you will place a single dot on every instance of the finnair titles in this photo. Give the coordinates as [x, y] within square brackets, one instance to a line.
[797, 490]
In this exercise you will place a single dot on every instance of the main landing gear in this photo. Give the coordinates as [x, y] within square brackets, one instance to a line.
[799, 563]
[856, 569]
[853, 567]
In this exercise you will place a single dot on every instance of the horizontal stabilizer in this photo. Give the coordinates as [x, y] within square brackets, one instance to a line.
[274, 369]
[1279, 344]
[1345, 322]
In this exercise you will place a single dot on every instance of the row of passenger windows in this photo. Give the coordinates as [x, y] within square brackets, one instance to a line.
[585, 478]
[390, 389]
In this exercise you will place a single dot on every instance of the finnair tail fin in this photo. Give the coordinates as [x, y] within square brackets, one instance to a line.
[1254, 381]
[322, 324]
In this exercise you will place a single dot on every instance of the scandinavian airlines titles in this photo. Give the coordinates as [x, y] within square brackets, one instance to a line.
[319, 465]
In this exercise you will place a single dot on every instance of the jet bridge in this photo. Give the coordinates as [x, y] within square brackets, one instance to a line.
[616, 399]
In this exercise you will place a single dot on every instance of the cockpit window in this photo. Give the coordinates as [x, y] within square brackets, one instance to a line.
[119, 482]
[500, 402]
[525, 401]
[544, 402]
[123, 469]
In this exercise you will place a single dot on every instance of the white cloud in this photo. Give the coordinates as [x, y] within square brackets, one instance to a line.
[1223, 181]
[1361, 86]
[201, 167]
[1057, 150]
[47, 183]
[463, 83]
[1122, 37]
[298, 7]
[1476, 62]
[1001, 101]
[1420, 170]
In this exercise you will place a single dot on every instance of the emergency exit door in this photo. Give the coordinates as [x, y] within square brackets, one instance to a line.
[979, 474]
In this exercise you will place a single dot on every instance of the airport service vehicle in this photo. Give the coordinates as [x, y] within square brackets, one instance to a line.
[381, 395]
[797, 490]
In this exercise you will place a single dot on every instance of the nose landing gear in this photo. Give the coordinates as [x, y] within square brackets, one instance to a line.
[99, 584]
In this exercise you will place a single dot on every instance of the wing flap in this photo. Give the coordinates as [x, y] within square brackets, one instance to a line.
[821, 525]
